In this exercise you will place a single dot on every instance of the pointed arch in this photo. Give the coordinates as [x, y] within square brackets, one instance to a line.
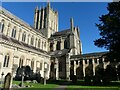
[2, 25]
[24, 36]
[58, 45]
[21, 61]
[13, 32]
[6, 60]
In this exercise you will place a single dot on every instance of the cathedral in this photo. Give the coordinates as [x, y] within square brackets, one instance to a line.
[43, 47]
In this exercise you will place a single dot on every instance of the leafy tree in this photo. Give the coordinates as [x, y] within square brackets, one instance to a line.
[109, 28]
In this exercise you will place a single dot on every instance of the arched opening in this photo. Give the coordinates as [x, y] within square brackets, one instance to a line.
[24, 36]
[13, 32]
[58, 45]
[65, 44]
[6, 60]
[32, 65]
[32, 40]
[21, 62]
[2, 26]
[51, 46]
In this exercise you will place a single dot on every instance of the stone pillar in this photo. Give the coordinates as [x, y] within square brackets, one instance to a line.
[62, 44]
[10, 30]
[7, 31]
[1, 57]
[98, 61]
[39, 21]
[6, 28]
[35, 17]
[20, 35]
[93, 62]
[17, 34]
[103, 62]
[67, 67]
[54, 45]
[56, 69]
[43, 18]
[29, 42]
[74, 67]
[78, 64]
[84, 68]
[36, 42]
[34, 69]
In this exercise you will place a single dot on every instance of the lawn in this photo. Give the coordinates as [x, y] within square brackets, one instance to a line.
[70, 86]
[75, 87]
[36, 86]
[80, 86]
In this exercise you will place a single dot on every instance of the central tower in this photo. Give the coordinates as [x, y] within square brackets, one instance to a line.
[46, 20]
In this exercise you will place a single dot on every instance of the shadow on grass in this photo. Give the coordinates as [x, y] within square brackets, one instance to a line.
[58, 82]
[82, 83]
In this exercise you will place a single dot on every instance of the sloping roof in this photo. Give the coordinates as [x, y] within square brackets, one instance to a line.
[12, 40]
[59, 53]
[88, 55]
[62, 33]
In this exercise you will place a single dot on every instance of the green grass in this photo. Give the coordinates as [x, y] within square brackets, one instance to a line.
[77, 86]
[80, 86]
[71, 87]
[36, 86]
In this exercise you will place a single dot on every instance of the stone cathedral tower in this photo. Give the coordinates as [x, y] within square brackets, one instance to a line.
[46, 20]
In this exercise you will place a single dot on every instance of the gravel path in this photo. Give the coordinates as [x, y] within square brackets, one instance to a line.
[62, 87]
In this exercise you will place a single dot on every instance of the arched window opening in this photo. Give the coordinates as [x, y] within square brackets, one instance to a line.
[51, 46]
[6, 60]
[24, 36]
[32, 40]
[21, 62]
[45, 44]
[32, 65]
[1, 27]
[39, 43]
[100, 60]
[13, 33]
[58, 45]
[40, 66]
[65, 44]
[42, 44]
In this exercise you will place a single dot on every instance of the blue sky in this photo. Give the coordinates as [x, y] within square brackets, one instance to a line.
[85, 16]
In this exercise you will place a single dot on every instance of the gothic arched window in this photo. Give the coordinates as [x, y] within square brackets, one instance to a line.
[32, 40]
[65, 44]
[24, 36]
[58, 45]
[45, 44]
[32, 65]
[2, 27]
[13, 33]
[6, 60]
[21, 62]
[51, 46]
[42, 44]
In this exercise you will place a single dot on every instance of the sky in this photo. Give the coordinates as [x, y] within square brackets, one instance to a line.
[85, 15]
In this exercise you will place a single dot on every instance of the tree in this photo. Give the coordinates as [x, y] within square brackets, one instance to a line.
[109, 28]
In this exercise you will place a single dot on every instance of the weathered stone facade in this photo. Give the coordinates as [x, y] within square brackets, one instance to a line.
[21, 45]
